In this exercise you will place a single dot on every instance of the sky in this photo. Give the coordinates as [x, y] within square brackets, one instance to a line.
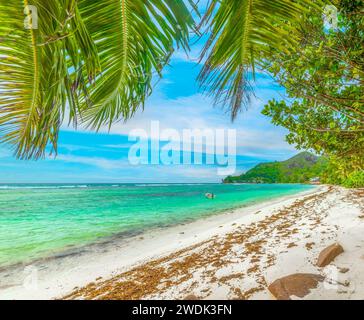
[176, 103]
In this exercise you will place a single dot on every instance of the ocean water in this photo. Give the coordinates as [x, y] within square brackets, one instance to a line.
[37, 221]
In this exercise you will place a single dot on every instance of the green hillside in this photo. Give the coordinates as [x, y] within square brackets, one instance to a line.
[299, 169]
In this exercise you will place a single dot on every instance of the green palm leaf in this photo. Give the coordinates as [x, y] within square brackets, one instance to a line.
[134, 38]
[35, 83]
[240, 34]
[91, 61]
[20, 79]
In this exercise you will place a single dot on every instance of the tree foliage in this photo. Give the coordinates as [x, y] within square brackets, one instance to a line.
[323, 77]
[299, 169]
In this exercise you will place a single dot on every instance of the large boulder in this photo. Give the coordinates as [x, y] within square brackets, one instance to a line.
[299, 285]
[329, 254]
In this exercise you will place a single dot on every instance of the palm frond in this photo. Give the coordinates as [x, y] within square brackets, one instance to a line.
[35, 81]
[20, 79]
[240, 34]
[88, 60]
[134, 39]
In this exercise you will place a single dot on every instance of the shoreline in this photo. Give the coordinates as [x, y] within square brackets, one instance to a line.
[60, 275]
[255, 252]
[135, 234]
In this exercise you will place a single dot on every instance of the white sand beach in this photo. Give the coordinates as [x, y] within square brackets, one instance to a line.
[235, 255]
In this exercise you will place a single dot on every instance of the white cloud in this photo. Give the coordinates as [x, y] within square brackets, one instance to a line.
[256, 137]
[95, 161]
[197, 112]
[148, 173]
[193, 56]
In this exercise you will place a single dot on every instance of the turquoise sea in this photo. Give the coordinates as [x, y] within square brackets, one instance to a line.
[37, 221]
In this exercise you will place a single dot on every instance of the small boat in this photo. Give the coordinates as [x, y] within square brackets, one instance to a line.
[209, 195]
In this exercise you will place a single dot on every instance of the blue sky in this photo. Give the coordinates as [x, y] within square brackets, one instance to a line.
[176, 103]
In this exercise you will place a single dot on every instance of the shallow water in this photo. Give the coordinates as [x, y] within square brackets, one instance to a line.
[38, 221]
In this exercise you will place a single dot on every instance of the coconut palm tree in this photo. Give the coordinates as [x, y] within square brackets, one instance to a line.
[92, 62]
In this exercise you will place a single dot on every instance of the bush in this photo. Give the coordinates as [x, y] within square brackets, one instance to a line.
[355, 180]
